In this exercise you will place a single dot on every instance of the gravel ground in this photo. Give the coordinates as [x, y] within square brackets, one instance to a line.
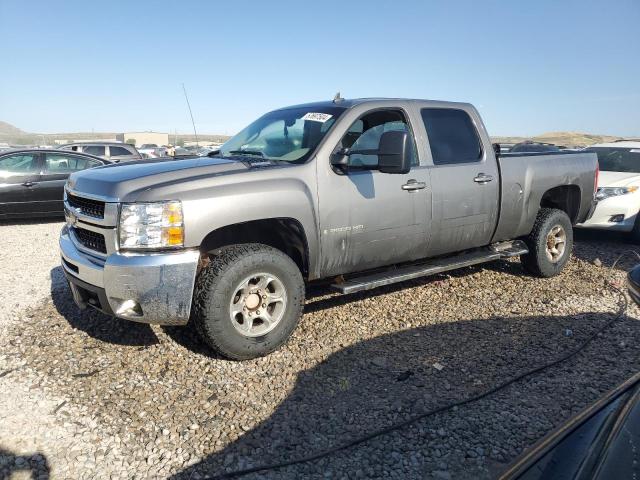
[104, 398]
[29, 251]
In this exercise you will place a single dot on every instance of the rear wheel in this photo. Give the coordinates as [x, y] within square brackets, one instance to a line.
[248, 300]
[550, 243]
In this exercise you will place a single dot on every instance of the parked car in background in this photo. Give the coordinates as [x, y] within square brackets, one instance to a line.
[618, 192]
[116, 152]
[184, 152]
[32, 181]
[205, 151]
[505, 147]
[533, 147]
[368, 192]
[151, 150]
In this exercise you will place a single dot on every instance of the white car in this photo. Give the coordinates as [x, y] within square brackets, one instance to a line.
[618, 192]
[151, 150]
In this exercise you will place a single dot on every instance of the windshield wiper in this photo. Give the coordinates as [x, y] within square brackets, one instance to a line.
[247, 152]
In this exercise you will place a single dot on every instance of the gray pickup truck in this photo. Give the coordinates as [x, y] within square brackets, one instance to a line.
[365, 192]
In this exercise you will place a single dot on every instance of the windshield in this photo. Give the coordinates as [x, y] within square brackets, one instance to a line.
[289, 135]
[613, 159]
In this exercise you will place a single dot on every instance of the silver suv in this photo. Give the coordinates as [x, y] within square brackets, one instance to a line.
[116, 152]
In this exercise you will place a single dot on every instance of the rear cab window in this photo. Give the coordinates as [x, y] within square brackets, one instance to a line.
[453, 137]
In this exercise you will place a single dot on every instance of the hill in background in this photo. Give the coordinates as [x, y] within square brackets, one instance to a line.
[14, 136]
[8, 129]
[566, 139]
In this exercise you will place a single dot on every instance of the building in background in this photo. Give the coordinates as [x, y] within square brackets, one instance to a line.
[142, 138]
[64, 141]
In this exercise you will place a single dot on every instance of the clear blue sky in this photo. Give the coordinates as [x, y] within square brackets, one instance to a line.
[529, 66]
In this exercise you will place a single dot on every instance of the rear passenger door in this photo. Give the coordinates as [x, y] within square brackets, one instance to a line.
[465, 181]
[56, 170]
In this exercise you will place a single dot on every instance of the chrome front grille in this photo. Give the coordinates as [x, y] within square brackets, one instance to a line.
[86, 206]
[91, 240]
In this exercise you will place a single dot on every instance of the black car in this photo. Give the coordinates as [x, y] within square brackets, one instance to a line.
[530, 147]
[599, 443]
[32, 181]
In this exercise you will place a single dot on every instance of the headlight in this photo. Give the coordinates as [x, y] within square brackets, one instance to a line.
[151, 225]
[606, 192]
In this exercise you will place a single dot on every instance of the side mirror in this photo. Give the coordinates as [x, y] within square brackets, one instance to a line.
[340, 159]
[395, 152]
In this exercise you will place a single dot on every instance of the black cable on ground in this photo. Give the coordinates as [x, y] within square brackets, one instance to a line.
[624, 303]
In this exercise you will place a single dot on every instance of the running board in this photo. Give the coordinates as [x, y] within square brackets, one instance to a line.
[373, 280]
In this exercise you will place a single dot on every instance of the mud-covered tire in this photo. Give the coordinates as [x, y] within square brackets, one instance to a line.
[537, 260]
[216, 285]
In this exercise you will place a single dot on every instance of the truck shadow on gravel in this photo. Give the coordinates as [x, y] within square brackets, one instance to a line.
[393, 377]
[322, 297]
[97, 325]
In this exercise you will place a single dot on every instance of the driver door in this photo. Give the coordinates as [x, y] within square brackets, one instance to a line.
[19, 175]
[370, 219]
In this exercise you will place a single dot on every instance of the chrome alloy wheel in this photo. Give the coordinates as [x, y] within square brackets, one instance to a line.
[258, 304]
[556, 242]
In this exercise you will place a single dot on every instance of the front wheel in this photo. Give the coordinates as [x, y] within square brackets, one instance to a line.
[248, 300]
[550, 243]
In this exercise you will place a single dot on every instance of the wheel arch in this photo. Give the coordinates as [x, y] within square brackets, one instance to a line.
[563, 197]
[283, 233]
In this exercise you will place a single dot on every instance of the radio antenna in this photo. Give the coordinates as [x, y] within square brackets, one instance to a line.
[191, 114]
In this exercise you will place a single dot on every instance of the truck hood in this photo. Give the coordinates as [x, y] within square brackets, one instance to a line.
[118, 182]
[618, 179]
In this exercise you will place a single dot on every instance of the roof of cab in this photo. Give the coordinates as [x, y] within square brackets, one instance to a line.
[351, 102]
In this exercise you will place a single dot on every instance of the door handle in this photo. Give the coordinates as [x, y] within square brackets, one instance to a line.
[413, 185]
[483, 178]
[28, 184]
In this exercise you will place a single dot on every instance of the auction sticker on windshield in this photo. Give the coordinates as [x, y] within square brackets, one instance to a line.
[317, 117]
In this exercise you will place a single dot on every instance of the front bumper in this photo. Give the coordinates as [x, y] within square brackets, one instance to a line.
[626, 205]
[143, 287]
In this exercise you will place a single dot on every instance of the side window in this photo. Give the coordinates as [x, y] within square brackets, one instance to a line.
[118, 151]
[18, 164]
[59, 163]
[363, 137]
[452, 136]
[97, 150]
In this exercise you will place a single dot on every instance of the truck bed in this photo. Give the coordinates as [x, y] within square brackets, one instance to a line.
[526, 177]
